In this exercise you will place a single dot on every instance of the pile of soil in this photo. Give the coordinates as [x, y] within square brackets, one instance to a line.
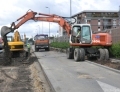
[20, 76]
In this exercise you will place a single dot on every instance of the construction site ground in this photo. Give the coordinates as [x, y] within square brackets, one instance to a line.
[22, 76]
[51, 71]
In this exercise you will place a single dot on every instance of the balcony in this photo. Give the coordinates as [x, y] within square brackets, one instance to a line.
[108, 23]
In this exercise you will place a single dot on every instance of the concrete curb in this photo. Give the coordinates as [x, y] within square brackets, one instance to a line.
[46, 77]
[50, 84]
[109, 68]
[115, 60]
[58, 49]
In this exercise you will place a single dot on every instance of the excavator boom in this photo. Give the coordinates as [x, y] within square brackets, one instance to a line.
[55, 19]
[40, 17]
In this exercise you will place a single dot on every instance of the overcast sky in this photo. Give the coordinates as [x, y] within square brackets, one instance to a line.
[10, 10]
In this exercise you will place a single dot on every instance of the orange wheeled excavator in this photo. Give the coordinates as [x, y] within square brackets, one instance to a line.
[78, 49]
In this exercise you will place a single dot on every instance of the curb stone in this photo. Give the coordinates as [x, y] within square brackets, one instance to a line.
[58, 49]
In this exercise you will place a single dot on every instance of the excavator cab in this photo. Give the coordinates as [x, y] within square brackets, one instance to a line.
[84, 36]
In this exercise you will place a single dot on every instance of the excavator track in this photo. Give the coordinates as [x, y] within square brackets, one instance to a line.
[6, 54]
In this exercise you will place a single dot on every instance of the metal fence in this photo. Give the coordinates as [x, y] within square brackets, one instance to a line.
[64, 38]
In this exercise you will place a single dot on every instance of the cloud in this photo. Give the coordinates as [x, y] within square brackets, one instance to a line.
[11, 10]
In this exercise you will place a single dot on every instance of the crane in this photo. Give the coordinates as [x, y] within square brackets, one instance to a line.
[85, 42]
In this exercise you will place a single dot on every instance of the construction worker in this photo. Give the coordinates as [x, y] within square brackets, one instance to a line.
[28, 47]
[77, 36]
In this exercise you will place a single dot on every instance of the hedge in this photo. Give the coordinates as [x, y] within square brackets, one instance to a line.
[62, 45]
[114, 49]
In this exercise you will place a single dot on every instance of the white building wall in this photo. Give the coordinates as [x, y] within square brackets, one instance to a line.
[60, 31]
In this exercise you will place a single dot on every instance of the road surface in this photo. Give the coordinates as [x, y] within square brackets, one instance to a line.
[66, 75]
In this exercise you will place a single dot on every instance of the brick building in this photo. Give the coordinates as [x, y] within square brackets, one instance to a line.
[100, 20]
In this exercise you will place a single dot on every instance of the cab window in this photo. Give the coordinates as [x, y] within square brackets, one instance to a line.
[41, 37]
[86, 34]
[75, 30]
[9, 39]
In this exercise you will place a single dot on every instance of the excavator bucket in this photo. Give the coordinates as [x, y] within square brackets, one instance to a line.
[5, 30]
[6, 54]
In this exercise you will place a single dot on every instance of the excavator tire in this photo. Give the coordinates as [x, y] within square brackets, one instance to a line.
[82, 54]
[101, 53]
[36, 49]
[106, 54]
[69, 53]
[77, 54]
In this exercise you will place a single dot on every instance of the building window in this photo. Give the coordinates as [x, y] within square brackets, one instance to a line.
[98, 28]
[78, 21]
[114, 19]
[114, 22]
[88, 21]
[89, 14]
[98, 21]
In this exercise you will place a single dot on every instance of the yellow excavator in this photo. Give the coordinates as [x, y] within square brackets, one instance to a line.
[16, 44]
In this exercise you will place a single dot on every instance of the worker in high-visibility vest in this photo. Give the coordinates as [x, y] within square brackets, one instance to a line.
[28, 47]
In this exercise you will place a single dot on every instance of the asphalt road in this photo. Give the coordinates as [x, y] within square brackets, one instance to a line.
[66, 75]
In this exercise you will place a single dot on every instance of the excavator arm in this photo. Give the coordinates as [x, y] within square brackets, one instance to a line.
[40, 17]
[28, 16]
[57, 19]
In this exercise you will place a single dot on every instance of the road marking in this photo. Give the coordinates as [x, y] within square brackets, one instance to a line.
[108, 88]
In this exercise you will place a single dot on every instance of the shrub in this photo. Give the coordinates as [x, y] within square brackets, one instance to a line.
[115, 50]
[62, 45]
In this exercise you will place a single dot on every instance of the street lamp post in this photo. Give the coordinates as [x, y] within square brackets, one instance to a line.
[70, 9]
[49, 22]
[42, 27]
[119, 15]
[39, 29]
[36, 31]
